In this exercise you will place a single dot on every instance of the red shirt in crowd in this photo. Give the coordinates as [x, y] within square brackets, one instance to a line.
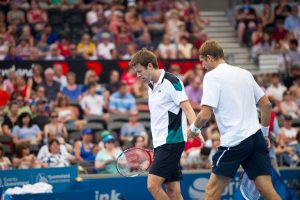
[4, 98]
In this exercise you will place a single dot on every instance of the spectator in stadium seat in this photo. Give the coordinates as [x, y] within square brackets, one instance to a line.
[12, 54]
[172, 23]
[275, 90]
[36, 16]
[10, 119]
[23, 159]
[122, 102]
[292, 22]
[293, 55]
[72, 90]
[129, 77]
[42, 44]
[139, 30]
[130, 51]
[267, 16]
[194, 93]
[106, 158]
[106, 49]
[51, 86]
[64, 46]
[282, 10]
[114, 82]
[8, 83]
[85, 150]
[245, 19]
[92, 103]
[265, 46]
[52, 37]
[296, 89]
[288, 133]
[200, 160]
[91, 77]
[41, 113]
[288, 106]
[87, 48]
[26, 131]
[139, 142]
[132, 129]
[184, 48]
[59, 76]
[166, 49]
[26, 33]
[37, 76]
[140, 89]
[22, 87]
[215, 139]
[122, 41]
[5, 163]
[23, 48]
[54, 53]
[3, 47]
[56, 158]
[55, 127]
[74, 55]
[15, 15]
[279, 32]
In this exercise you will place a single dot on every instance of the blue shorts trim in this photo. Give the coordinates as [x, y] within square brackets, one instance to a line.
[252, 153]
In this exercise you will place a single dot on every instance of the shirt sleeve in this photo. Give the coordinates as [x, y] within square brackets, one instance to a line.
[211, 91]
[16, 131]
[177, 92]
[258, 92]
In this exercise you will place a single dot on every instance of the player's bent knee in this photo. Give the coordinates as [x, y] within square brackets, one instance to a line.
[153, 187]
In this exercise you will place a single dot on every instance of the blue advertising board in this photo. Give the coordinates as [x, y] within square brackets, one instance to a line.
[60, 178]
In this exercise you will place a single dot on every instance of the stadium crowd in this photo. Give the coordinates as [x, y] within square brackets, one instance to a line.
[49, 120]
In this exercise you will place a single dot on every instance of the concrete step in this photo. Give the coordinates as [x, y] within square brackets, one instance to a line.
[219, 24]
[227, 40]
[235, 50]
[221, 34]
[212, 13]
[218, 18]
[218, 29]
[229, 45]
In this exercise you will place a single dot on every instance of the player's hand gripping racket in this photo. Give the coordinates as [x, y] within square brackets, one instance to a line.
[134, 161]
[248, 188]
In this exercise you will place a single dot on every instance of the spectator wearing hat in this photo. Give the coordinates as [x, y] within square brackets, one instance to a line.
[106, 49]
[84, 149]
[122, 102]
[106, 158]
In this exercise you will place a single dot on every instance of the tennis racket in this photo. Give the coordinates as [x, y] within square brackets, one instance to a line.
[134, 161]
[248, 188]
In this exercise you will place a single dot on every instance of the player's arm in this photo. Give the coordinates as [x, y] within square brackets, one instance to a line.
[203, 117]
[188, 110]
[265, 106]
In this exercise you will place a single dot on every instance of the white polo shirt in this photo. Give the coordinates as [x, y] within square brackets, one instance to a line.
[233, 94]
[168, 121]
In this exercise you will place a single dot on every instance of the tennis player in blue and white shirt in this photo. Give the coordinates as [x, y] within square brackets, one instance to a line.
[231, 94]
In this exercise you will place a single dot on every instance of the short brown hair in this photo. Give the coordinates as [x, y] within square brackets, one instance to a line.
[144, 57]
[212, 48]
